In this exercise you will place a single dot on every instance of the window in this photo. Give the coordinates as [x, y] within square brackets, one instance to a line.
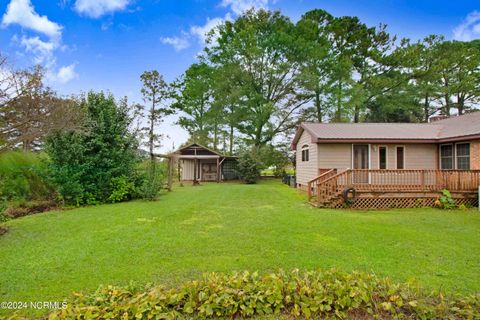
[305, 154]
[463, 156]
[446, 157]
[400, 158]
[382, 157]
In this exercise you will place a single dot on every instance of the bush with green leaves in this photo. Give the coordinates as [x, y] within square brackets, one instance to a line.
[23, 176]
[446, 200]
[150, 180]
[122, 189]
[85, 163]
[309, 294]
[249, 165]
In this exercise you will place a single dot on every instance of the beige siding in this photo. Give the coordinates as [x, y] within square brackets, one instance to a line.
[335, 156]
[417, 156]
[187, 169]
[306, 170]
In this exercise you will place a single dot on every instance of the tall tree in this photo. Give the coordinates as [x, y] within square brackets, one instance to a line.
[31, 110]
[423, 63]
[194, 98]
[460, 75]
[316, 60]
[155, 92]
[259, 50]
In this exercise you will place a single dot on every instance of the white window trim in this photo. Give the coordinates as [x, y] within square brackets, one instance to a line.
[305, 147]
[369, 153]
[404, 157]
[386, 156]
[454, 156]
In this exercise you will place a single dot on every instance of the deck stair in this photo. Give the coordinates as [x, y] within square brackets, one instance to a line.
[392, 188]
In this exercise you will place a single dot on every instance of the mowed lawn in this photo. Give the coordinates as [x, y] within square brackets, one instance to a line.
[226, 227]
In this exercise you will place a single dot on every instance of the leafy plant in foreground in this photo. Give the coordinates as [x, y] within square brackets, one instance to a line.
[308, 294]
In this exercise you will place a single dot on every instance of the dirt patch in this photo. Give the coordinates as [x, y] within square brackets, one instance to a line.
[3, 230]
[29, 208]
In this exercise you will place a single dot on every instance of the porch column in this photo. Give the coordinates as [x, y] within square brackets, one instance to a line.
[218, 169]
[195, 171]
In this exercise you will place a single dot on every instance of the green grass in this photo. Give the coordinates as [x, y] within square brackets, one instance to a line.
[225, 227]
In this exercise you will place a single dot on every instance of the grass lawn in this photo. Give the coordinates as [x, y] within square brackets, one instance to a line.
[225, 227]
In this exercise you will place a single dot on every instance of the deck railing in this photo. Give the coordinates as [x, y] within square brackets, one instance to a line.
[331, 183]
[313, 185]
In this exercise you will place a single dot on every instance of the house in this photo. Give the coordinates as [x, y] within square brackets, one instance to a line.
[198, 163]
[406, 162]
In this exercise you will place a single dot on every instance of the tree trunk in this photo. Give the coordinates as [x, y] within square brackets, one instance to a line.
[231, 140]
[460, 105]
[152, 139]
[356, 116]
[339, 102]
[426, 108]
[318, 105]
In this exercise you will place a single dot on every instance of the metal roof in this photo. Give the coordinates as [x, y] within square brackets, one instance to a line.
[441, 130]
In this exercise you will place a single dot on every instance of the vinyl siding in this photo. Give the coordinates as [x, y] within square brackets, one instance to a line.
[417, 156]
[306, 170]
[335, 156]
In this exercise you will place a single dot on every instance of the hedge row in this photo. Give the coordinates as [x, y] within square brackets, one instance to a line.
[293, 294]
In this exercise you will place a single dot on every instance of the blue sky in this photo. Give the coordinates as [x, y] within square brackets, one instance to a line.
[107, 44]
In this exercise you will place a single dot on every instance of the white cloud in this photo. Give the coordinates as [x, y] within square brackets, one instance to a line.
[22, 12]
[236, 7]
[201, 32]
[178, 43]
[469, 29]
[66, 73]
[240, 6]
[98, 8]
[41, 50]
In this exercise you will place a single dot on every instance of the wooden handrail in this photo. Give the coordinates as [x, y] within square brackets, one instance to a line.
[318, 179]
[405, 180]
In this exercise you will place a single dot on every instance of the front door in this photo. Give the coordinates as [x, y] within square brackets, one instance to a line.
[360, 161]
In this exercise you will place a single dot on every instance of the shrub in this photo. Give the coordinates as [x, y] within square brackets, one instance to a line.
[310, 294]
[84, 163]
[23, 176]
[122, 189]
[249, 166]
[446, 200]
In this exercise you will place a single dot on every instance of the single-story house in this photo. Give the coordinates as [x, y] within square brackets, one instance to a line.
[382, 154]
[198, 163]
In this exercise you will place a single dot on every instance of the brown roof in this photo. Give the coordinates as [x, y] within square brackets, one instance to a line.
[449, 129]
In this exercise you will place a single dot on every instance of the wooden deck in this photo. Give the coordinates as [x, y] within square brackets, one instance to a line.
[392, 188]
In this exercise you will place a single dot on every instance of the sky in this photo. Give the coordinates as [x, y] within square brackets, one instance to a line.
[106, 44]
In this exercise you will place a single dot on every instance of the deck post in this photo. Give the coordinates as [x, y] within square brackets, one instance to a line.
[423, 180]
[170, 173]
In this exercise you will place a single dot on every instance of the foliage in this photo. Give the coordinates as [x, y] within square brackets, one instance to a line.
[194, 99]
[256, 58]
[30, 110]
[122, 189]
[155, 91]
[249, 165]
[446, 200]
[227, 227]
[23, 176]
[305, 294]
[151, 182]
[84, 164]
[276, 157]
